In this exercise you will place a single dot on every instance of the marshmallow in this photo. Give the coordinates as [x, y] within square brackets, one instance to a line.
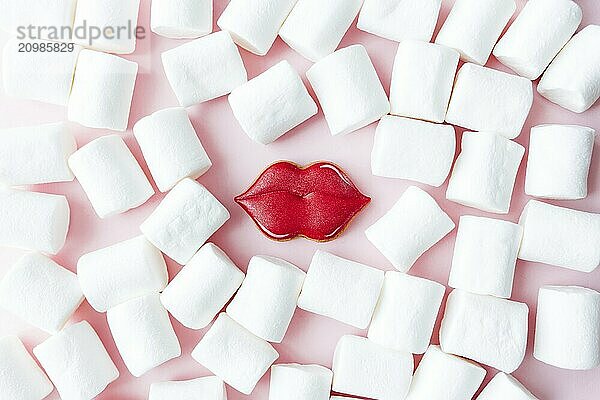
[234, 354]
[254, 24]
[542, 28]
[110, 176]
[442, 376]
[412, 226]
[272, 103]
[185, 219]
[488, 100]
[267, 299]
[143, 333]
[415, 150]
[38, 75]
[53, 14]
[406, 312]
[171, 147]
[400, 19]
[202, 287]
[560, 236]
[341, 289]
[348, 89]
[206, 388]
[486, 329]
[503, 387]
[36, 154]
[559, 161]
[102, 90]
[20, 376]
[567, 332]
[33, 221]
[422, 80]
[363, 368]
[315, 28]
[300, 382]
[181, 19]
[121, 272]
[204, 69]
[573, 78]
[485, 172]
[41, 292]
[485, 256]
[77, 362]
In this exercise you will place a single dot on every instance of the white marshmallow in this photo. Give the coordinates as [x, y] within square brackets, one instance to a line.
[422, 80]
[121, 272]
[542, 28]
[406, 312]
[205, 388]
[267, 299]
[300, 382]
[272, 103]
[559, 161]
[204, 69]
[234, 354]
[573, 78]
[315, 28]
[363, 368]
[20, 376]
[45, 13]
[171, 147]
[202, 287]
[411, 227]
[400, 19]
[143, 333]
[41, 292]
[341, 289]
[485, 256]
[110, 176]
[411, 149]
[560, 236]
[36, 154]
[442, 376]
[348, 89]
[491, 101]
[181, 19]
[567, 331]
[485, 172]
[102, 90]
[77, 362]
[33, 221]
[185, 219]
[503, 387]
[486, 329]
[254, 24]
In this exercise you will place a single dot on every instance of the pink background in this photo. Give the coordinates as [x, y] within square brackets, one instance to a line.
[237, 161]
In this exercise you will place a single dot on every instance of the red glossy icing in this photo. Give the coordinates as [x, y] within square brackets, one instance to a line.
[317, 201]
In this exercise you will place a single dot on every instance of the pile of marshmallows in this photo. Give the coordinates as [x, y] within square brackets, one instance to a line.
[129, 280]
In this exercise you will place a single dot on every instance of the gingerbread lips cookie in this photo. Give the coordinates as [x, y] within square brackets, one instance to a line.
[317, 201]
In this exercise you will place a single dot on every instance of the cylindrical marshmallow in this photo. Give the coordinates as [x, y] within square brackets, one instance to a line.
[181, 19]
[485, 172]
[504, 387]
[411, 227]
[542, 28]
[36, 154]
[567, 331]
[573, 78]
[560, 236]
[406, 312]
[205, 388]
[121, 272]
[77, 362]
[272, 103]
[33, 221]
[102, 90]
[300, 382]
[171, 147]
[47, 13]
[348, 89]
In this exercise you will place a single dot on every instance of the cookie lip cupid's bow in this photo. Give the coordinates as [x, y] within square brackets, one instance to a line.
[317, 201]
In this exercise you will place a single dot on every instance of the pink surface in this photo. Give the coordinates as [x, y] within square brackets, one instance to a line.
[238, 161]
